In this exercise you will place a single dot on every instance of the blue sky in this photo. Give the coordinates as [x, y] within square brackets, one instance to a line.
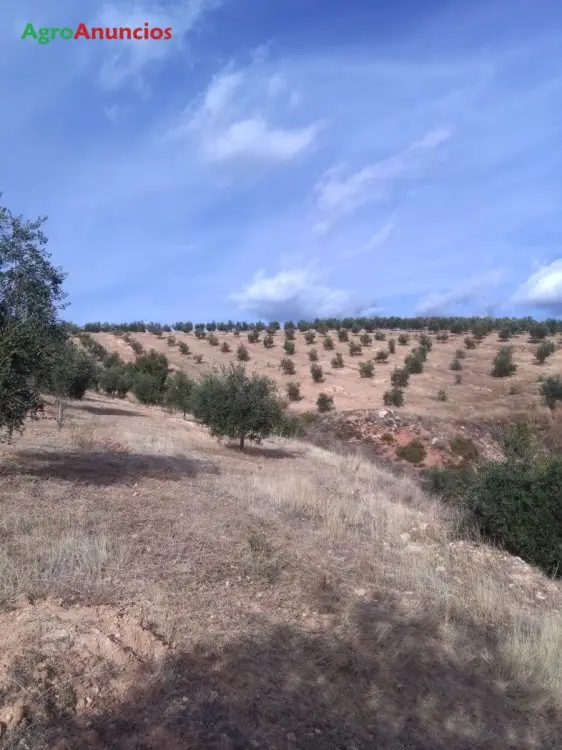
[292, 158]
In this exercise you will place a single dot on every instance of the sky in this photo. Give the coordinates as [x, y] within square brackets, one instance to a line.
[288, 159]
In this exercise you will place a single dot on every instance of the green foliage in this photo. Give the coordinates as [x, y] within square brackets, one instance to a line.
[171, 341]
[456, 364]
[381, 355]
[460, 354]
[328, 343]
[426, 341]
[442, 338]
[289, 334]
[414, 452]
[178, 393]
[137, 347]
[380, 336]
[400, 377]
[551, 391]
[343, 335]
[365, 339]
[242, 353]
[470, 343]
[317, 373]
[458, 379]
[422, 351]
[213, 339]
[30, 298]
[289, 347]
[310, 337]
[391, 346]
[313, 355]
[69, 372]
[366, 369]
[394, 397]
[355, 348]
[413, 362]
[116, 381]
[465, 448]
[293, 390]
[442, 395]
[232, 404]
[225, 347]
[324, 402]
[253, 336]
[403, 339]
[337, 361]
[504, 334]
[198, 358]
[287, 365]
[146, 388]
[545, 349]
[268, 341]
[503, 365]
[538, 331]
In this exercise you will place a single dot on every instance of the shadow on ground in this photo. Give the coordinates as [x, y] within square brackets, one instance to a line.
[391, 684]
[103, 467]
[258, 451]
[106, 411]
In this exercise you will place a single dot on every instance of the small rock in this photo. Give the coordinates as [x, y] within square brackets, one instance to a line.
[540, 596]
[405, 537]
[383, 413]
[359, 592]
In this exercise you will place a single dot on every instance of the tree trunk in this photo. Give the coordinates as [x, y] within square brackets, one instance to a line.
[242, 438]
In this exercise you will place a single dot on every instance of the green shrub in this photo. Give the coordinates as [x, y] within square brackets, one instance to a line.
[366, 369]
[288, 366]
[380, 336]
[442, 338]
[465, 448]
[317, 373]
[403, 339]
[460, 354]
[313, 355]
[324, 402]
[268, 341]
[225, 348]
[355, 348]
[198, 358]
[365, 339]
[293, 390]
[337, 361]
[422, 352]
[458, 379]
[147, 388]
[400, 377]
[470, 343]
[328, 343]
[137, 347]
[414, 363]
[391, 346]
[115, 380]
[171, 341]
[381, 355]
[289, 334]
[309, 337]
[178, 393]
[426, 341]
[184, 348]
[414, 452]
[442, 395]
[242, 353]
[538, 332]
[343, 335]
[289, 347]
[504, 334]
[456, 364]
[213, 340]
[503, 365]
[544, 351]
[238, 406]
[394, 397]
[253, 336]
[551, 391]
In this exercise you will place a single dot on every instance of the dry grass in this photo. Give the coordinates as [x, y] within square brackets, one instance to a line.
[479, 396]
[287, 597]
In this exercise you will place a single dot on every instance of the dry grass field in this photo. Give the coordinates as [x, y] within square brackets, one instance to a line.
[161, 590]
[479, 397]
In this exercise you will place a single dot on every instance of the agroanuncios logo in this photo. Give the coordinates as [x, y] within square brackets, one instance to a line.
[47, 34]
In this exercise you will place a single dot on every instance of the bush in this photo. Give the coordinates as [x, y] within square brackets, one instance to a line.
[309, 337]
[365, 339]
[544, 351]
[242, 353]
[115, 381]
[337, 361]
[289, 334]
[253, 336]
[426, 341]
[391, 346]
[414, 452]
[355, 348]
[324, 402]
[403, 339]
[289, 347]
[551, 391]
[137, 347]
[268, 341]
[422, 352]
[538, 332]
[456, 365]
[184, 348]
[147, 388]
[504, 334]
[328, 343]
[366, 369]
[460, 354]
[503, 365]
[394, 397]
[293, 390]
[171, 341]
[400, 377]
[198, 358]
[380, 336]
[458, 379]
[414, 363]
[381, 355]
[213, 340]
[313, 355]
[178, 393]
[288, 366]
[317, 373]
[235, 405]
[442, 338]
[343, 335]
[470, 343]
[225, 348]
[442, 395]
[465, 448]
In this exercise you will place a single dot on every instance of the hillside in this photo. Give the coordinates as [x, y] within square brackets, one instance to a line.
[160, 589]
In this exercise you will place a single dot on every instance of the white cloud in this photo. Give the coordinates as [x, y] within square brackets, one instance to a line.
[543, 288]
[292, 294]
[232, 119]
[378, 238]
[337, 196]
[130, 58]
[474, 290]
